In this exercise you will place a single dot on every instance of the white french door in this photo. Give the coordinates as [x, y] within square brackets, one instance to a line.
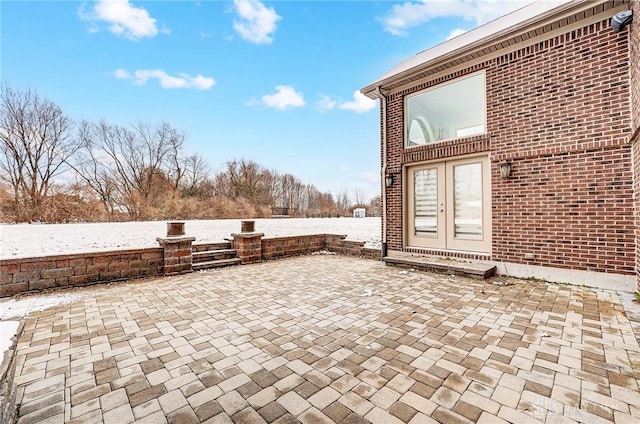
[449, 205]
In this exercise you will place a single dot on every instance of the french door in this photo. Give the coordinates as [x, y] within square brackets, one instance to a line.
[449, 205]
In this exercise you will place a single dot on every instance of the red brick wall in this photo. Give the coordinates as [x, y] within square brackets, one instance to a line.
[248, 247]
[634, 57]
[36, 274]
[178, 255]
[394, 131]
[281, 247]
[559, 110]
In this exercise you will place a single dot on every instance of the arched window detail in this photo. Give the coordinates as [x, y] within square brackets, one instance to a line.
[420, 131]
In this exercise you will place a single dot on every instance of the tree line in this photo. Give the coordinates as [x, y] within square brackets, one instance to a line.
[53, 169]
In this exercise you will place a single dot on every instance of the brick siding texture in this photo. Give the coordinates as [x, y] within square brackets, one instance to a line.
[282, 247]
[559, 110]
[634, 58]
[37, 274]
[248, 247]
[177, 256]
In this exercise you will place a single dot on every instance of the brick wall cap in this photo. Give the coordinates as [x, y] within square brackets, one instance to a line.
[342, 236]
[71, 256]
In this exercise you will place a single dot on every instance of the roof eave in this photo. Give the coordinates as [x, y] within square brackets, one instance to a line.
[562, 11]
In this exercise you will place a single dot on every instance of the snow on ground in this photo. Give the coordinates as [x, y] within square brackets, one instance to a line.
[8, 329]
[21, 306]
[32, 240]
[14, 309]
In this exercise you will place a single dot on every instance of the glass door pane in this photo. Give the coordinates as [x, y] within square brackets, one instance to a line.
[448, 205]
[467, 201]
[426, 202]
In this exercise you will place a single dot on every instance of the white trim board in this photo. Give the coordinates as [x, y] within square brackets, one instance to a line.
[600, 280]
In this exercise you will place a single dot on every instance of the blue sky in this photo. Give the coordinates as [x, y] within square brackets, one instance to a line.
[274, 82]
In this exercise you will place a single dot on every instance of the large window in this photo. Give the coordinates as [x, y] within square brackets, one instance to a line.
[452, 110]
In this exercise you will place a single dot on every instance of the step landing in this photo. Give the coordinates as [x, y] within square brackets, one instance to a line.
[439, 265]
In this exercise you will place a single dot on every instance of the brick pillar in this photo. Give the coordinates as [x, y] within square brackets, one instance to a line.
[248, 246]
[178, 253]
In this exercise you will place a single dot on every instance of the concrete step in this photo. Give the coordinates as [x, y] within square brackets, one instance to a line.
[211, 246]
[213, 255]
[216, 264]
[440, 265]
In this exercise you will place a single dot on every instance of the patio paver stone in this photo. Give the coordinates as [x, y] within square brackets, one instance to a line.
[331, 339]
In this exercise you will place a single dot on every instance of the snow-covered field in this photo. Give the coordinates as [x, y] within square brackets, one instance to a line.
[30, 240]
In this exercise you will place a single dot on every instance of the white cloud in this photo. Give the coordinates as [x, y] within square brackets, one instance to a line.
[360, 103]
[122, 74]
[124, 19]
[454, 33]
[403, 16]
[257, 22]
[325, 103]
[284, 98]
[141, 76]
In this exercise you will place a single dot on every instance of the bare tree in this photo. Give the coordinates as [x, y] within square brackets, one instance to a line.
[288, 188]
[327, 204]
[154, 155]
[131, 167]
[358, 197]
[272, 187]
[90, 164]
[35, 144]
[245, 179]
[374, 208]
[342, 202]
[195, 175]
[313, 200]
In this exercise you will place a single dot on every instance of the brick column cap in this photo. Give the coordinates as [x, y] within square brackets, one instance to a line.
[246, 235]
[170, 240]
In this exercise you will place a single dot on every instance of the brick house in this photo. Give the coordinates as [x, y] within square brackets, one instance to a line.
[550, 93]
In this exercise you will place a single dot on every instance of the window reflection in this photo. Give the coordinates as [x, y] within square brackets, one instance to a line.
[452, 110]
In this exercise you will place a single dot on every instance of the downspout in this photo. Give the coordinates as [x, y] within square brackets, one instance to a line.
[383, 170]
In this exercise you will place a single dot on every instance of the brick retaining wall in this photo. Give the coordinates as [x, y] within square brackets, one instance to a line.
[281, 247]
[41, 273]
[351, 248]
[36, 274]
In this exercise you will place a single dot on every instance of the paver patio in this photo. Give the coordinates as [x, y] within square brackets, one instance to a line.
[321, 339]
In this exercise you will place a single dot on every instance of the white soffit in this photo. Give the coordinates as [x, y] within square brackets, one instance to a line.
[519, 20]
